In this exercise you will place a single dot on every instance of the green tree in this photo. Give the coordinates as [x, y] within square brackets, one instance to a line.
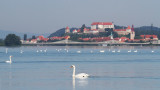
[83, 26]
[33, 37]
[25, 36]
[138, 37]
[1, 42]
[12, 40]
[151, 37]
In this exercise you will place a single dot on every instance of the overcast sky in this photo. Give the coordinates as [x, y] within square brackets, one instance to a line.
[47, 16]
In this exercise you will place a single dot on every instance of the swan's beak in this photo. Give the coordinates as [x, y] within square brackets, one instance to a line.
[71, 67]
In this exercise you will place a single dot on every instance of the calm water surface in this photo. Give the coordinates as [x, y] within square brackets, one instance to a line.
[50, 70]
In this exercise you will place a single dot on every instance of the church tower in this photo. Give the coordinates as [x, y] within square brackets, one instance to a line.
[132, 34]
[67, 30]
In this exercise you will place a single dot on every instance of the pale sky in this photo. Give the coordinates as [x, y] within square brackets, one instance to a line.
[47, 16]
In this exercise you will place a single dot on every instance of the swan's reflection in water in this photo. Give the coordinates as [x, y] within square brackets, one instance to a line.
[73, 83]
[79, 82]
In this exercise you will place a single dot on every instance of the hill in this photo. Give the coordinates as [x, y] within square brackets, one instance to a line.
[147, 30]
[60, 32]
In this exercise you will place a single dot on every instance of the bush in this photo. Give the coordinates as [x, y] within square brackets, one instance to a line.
[12, 40]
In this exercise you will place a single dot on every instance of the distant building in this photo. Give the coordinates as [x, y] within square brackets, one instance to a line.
[89, 31]
[74, 31]
[126, 31]
[59, 38]
[67, 30]
[41, 38]
[149, 37]
[101, 26]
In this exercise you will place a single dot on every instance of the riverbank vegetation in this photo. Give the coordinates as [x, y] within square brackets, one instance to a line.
[12, 40]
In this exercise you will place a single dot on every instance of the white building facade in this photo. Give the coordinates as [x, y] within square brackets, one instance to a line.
[101, 26]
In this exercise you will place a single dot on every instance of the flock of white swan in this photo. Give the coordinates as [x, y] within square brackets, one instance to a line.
[78, 51]
[80, 75]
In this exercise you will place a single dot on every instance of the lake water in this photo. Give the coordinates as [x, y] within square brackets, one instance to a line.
[50, 70]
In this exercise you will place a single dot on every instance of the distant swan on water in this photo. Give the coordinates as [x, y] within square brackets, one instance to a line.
[129, 51]
[9, 61]
[135, 51]
[21, 51]
[78, 51]
[102, 51]
[41, 50]
[45, 50]
[152, 51]
[67, 51]
[119, 51]
[113, 51]
[80, 75]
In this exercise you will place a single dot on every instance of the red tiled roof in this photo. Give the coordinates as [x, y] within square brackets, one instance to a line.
[42, 38]
[78, 30]
[101, 23]
[119, 30]
[74, 30]
[67, 27]
[148, 36]
[128, 27]
[85, 29]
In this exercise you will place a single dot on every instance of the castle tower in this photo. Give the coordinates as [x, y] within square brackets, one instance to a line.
[67, 30]
[132, 28]
[128, 29]
[132, 34]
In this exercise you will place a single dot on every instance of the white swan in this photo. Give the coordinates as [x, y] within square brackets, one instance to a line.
[152, 51]
[80, 75]
[129, 51]
[113, 51]
[21, 51]
[45, 50]
[135, 51]
[102, 51]
[119, 51]
[78, 51]
[41, 50]
[10, 61]
[67, 51]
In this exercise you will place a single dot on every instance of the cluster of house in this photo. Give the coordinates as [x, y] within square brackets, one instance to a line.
[121, 39]
[97, 27]
[38, 38]
[42, 38]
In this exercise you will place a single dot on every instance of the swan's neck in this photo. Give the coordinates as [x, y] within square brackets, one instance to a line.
[74, 69]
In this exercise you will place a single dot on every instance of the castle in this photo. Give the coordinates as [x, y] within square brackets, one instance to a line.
[97, 27]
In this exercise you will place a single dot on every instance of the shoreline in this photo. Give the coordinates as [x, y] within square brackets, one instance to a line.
[87, 44]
